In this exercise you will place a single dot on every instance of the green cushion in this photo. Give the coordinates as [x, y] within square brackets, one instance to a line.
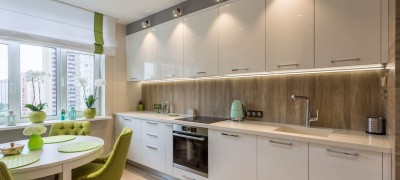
[114, 163]
[4, 173]
[81, 128]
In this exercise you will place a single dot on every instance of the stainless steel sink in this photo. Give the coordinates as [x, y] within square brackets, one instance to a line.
[304, 131]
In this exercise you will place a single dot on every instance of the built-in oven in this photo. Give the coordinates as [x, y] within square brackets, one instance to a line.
[190, 149]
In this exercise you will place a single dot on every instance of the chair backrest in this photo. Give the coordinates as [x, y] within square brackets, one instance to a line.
[81, 128]
[115, 164]
[4, 173]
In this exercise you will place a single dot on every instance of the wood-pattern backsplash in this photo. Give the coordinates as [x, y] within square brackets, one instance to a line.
[344, 99]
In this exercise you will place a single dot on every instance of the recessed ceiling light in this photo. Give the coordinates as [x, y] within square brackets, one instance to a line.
[177, 12]
[146, 24]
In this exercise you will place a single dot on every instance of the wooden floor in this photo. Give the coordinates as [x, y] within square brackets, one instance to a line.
[134, 173]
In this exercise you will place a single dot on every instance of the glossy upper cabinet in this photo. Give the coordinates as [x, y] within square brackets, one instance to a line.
[200, 32]
[242, 36]
[347, 32]
[289, 34]
[170, 49]
[141, 51]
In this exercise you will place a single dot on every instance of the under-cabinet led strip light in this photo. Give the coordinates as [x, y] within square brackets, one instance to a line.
[284, 72]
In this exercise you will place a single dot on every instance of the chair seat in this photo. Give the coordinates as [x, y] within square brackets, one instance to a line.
[83, 171]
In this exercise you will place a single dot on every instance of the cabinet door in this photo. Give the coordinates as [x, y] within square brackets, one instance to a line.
[148, 53]
[200, 34]
[289, 34]
[347, 32]
[134, 153]
[170, 49]
[242, 36]
[277, 157]
[169, 149]
[231, 156]
[333, 163]
[134, 70]
[153, 145]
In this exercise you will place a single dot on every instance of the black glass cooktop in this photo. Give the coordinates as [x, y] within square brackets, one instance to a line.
[202, 119]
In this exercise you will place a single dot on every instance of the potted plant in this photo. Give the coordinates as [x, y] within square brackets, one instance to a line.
[37, 115]
[90, 111]
[35, 139]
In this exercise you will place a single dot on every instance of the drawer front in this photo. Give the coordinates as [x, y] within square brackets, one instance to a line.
[184, 175]
[153, 133]
[123, 122]
[151, 126]
[153, 156]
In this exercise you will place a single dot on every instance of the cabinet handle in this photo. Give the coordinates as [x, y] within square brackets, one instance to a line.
[149, 78]
[189, 137]
[151, 147]
[284, 65]
[343, 60]
[243, 69]
[152, 135]
[133, 78]
[188, 177]
[126, 119]
[152, 123]
[283, 143]
[201, 73]
[169, 75]
[342, 152]
[232, 135]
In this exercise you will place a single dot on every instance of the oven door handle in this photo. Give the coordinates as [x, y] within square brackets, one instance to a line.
[189, 137]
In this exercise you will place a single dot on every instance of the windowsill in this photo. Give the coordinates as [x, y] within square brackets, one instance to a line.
[50, 122]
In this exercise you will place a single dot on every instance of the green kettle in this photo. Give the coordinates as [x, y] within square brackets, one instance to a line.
[238, 111]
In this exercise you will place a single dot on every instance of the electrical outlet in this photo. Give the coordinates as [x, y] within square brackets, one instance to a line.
[257, 114]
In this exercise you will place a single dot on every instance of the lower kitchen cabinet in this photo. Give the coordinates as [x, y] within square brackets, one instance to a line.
[281, 159]
[153, 144]
[232, 156]
[134, 124]
[185, 175]
[333, 163]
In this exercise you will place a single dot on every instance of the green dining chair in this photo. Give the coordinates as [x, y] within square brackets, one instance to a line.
[4, 173]
[81, 128]
[109, 167]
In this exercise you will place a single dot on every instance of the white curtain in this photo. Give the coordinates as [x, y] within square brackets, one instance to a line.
[54, 23]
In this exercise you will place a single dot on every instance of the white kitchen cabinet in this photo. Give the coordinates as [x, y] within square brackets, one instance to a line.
[333, 163]
[169, 154]
[231, 156]
[141, 55]
[134, 124]
[242, 36]
[289, 34]
[170, 49]
[281, 159]
[347, 32]
[185, 175]
[200, 34]
[153, 144]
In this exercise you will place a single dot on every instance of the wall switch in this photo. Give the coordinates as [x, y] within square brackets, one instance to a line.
[257, 114]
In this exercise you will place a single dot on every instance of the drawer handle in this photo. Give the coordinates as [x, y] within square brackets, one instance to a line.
[126, 119]
[342, 152]
[152, 123]
[344, 60]
[232, 135]
[152, 135]
[284, 65]
[151, 147]
[149, 78]
[188, 177]
[243, 69]
[169, 75]
[201, 73]
[189, 137]
[133, 78]
[283, 143]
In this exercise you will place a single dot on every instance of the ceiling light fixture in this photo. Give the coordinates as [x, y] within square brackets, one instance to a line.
[177, 12]
[146, 24]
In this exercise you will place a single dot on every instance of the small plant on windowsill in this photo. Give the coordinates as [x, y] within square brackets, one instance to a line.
[90, 111]
[37, 115]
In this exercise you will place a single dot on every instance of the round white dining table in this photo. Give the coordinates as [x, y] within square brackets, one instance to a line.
[53, 162]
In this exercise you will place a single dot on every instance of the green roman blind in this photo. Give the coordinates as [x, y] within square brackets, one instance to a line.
[98, 33]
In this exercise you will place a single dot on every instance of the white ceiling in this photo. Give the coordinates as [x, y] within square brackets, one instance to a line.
[126, 11]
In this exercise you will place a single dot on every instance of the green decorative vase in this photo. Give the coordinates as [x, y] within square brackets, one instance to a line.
[35, 142]
[89, 113]
[37, 116]
[141, 107]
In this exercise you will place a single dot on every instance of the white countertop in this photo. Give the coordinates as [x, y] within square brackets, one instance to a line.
[342, 138]
[50, 122]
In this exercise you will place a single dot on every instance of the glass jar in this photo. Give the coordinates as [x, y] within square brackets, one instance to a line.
[11, 118]
[72, 113]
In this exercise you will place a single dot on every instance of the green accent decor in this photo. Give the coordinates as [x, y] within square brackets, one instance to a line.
[109, 167]
[37, 116]
[58, 139]
[89, 113]
[79, 147]
[72, 114]
[77, 128]
[17, 161]
[35, 142]
[98, 33]
[4, 172]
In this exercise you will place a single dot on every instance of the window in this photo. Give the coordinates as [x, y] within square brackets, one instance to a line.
[43, 59]
[3, 79]
[79, 66]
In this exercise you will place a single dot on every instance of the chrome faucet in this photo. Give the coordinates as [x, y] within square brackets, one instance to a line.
[308, 118]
